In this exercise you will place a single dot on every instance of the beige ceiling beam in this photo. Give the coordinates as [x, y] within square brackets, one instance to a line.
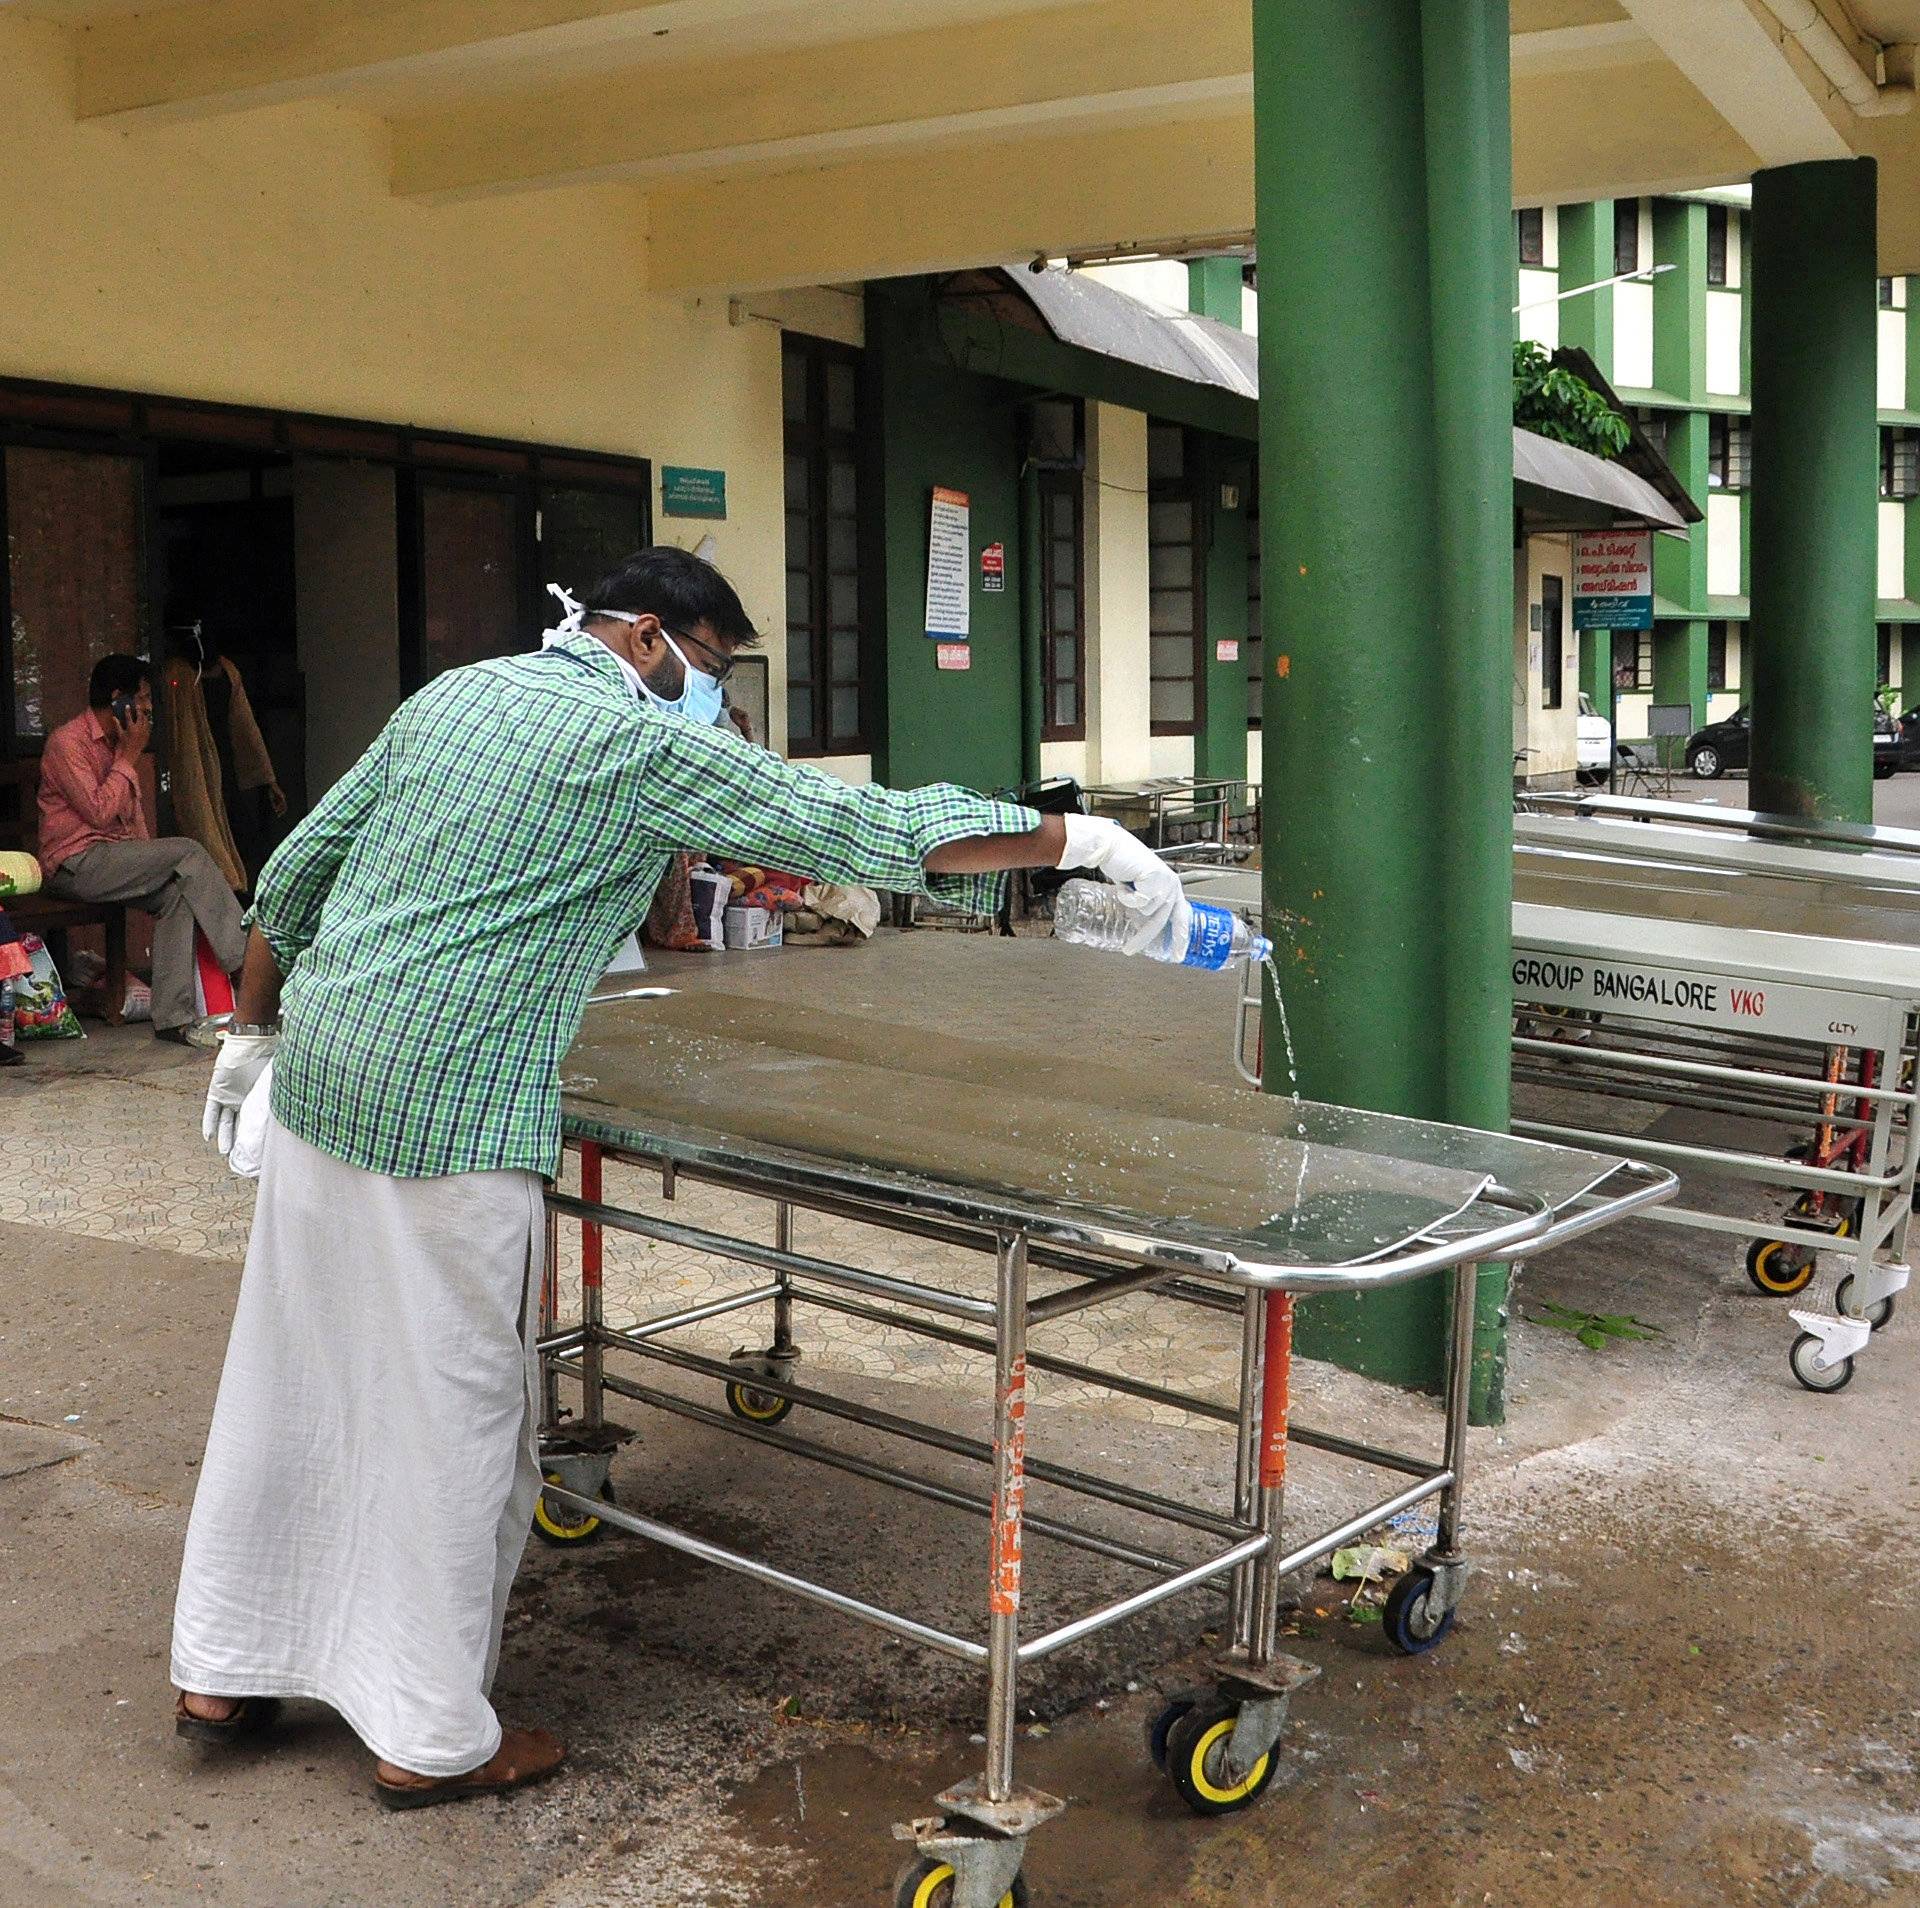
[217, 56]
[1090, 193]
[1111, 60]
[1737, 60]
[1571, 143]
[1588, 48]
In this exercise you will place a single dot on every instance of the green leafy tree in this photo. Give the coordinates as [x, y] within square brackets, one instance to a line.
[1556, 404]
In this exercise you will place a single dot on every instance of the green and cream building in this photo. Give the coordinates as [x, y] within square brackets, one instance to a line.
[1674, 344]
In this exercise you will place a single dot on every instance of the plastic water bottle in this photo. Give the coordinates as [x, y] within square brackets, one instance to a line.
[1197, 935]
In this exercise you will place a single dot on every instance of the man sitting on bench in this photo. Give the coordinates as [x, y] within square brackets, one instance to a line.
[96, 843]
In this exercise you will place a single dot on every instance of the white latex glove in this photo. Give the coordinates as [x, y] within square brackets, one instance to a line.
[250, 1131]
[241, 1060]
[1149, 889]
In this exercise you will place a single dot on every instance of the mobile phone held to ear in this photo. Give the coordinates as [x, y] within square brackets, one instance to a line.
[123, 710]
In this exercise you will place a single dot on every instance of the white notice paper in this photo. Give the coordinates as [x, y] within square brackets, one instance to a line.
[947, 547]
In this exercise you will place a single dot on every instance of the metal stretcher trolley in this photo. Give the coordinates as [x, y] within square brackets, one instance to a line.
[1761, 969]
[1082, 1187]
[1753, 983]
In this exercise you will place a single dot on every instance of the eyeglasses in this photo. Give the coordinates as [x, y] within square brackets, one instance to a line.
[723, 663]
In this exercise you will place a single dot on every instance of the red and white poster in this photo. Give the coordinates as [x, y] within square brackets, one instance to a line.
[993, 567]
[953, 656]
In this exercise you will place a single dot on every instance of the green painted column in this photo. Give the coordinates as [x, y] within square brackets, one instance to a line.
[1033, 689]
[1680, 564]
[1586, 257]
[1596, 668]
[1680, 667]
[1680, 299]
[1810, 667]
[1467, 70]
[1213, 289]
[1381, 153]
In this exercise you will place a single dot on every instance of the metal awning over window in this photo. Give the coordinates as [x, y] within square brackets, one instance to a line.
[1555, 485]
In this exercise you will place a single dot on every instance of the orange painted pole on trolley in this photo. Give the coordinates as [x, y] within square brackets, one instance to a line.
[591, 1235]
[1009, 1505]
[1273, 1391]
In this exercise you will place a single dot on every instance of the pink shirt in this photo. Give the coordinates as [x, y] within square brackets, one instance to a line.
[87, 793]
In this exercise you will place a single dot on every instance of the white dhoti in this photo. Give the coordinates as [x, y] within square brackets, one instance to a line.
[371, 1469]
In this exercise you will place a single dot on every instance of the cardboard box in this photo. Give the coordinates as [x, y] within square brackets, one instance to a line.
[752, 927]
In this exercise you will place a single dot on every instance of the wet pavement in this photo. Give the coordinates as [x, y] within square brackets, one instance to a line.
[1684, 1671]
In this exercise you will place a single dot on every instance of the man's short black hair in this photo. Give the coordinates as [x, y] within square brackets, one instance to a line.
[676, 586]
[116, 676]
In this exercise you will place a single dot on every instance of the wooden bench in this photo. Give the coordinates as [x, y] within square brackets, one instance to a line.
[52, 916]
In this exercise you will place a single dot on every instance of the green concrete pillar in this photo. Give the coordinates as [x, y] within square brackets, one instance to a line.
[1213, 289]
[1033, 689]
[1680, 669]
[1680, 299]
[1596, 668]
[1810, 669]
[1680, 564]
[1381, 153]
[1586, 257]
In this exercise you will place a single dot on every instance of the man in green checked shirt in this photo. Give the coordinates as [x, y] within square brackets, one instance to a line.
[431, 933]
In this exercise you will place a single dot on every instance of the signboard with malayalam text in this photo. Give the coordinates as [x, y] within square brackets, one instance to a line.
[948, 607]
[686, 492]
[1613, 579]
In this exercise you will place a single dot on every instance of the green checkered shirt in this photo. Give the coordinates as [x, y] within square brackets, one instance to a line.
[444, 912]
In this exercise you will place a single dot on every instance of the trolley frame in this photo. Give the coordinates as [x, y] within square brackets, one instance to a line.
[981, 1825]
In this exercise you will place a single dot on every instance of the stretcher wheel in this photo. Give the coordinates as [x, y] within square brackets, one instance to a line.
[553, 1525]
[1410, 1626]
[1876, 1314]
[1777, 1268]
[756, 1406]
[926, 1883]
[1160, 1726]
[1197, 1761]
[1833, 1378]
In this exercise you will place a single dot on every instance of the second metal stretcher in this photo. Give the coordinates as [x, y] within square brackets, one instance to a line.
[1076, 1187]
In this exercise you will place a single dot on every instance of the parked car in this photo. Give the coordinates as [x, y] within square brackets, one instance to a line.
[1593, 742]
[1723, 745]
[1889, 746]
[1910, 738]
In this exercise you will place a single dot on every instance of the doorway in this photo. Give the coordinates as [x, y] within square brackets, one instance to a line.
[228, 619]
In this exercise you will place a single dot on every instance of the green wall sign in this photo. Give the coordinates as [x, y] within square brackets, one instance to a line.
[692, 493]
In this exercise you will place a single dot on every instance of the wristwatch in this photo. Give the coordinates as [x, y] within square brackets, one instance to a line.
[251, 1028]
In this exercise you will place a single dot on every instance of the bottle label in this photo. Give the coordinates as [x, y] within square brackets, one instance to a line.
[1209, 936]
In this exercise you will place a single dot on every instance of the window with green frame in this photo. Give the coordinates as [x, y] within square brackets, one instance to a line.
[827, 689]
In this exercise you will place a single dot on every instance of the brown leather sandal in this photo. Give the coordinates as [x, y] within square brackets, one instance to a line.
[251, 1714]
[525, 1756]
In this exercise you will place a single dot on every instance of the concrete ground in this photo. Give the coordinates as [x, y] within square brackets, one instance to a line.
[1684, 1672]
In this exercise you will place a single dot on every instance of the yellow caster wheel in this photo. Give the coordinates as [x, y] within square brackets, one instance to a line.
[756, 1406]
[1779, 1269]
[1197, 1762]
[926, 1883]
[555, 1525]
[1160, 1725]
